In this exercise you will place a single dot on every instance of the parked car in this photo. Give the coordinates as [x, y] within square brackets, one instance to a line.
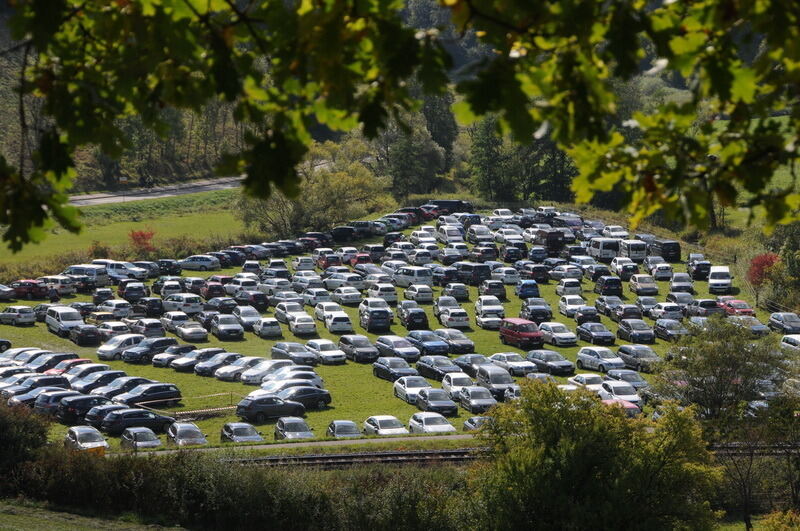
[136, 439]
[185, 434]
[550, 362]
[118, 421]
[599, 359]
[260, 408]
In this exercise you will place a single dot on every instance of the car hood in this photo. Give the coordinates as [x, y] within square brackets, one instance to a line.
[124, 397]
[520, 364]
[247, 438]
[405, 371]
[565, 335]
[229, 327]
[392, 431]
[444, 428]
[148, 444]
[164, 356]
[561, 363]
[299, 435]
[189, 442]
[443, 403]
[482, 401]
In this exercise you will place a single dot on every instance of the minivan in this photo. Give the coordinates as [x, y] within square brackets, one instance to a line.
[495, 379]
[405, 276]
[603, 249]
[473, 273]
[520, 332]
[608, 285]
[449, 234]
[719, 279]
[61, 319]
[97, 273]
[636, 250]
[670, 250]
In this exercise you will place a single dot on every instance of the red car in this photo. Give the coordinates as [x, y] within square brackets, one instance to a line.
[211, 290]
[328, 260]
[29, 289]
[66, 365]
[360, 258]
[737, 307]
[520, 332]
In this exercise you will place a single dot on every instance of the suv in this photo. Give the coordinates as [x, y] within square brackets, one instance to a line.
[520, 332]
[260, 408]
[144, 351]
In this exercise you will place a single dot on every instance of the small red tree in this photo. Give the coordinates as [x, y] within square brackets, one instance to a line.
[142, 240]
[759, 268]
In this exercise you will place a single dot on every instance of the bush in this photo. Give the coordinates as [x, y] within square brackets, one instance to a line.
[760, 265]
[22, 435]
[142, 240]
[781, 521]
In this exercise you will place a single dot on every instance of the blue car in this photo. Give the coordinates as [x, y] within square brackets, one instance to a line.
[428, 343]
[525, 289]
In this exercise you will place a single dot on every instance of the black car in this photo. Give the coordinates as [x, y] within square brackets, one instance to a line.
[237, 258]
[699, 269]
[84, 335]
[40, 310]
[48, 361]
[115, 422]
[596, 334]
[391, 369]
[375, 320]
[168, 266]
[258, 409]
[239, 432]
[414, 319]
[220, 359]
[296, 352]
[73, 409]
[221, 304]
[669, 329]
[391, 237]
[256, 299]
[444, 275]
[159, 283]
[148, 307]
[120, 385]
[595, 271]
[188, 362]
[625, 311]
[97, 379]
[784, 322]
[587, 314]
[147, 348]
[435, 367]
[47, 403]
[84, 308]
[639, 357]
[102, 295]
[151, 394]
[94, 417]
[436, 400]
[224, 259]
[310, 397]
[358, 348]
[457, 341]
[469, 363]
[550, 362]
[635, 331]
[29, 397]
[536, 309]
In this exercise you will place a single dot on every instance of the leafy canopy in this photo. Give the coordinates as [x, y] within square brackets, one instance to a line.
[343, 63]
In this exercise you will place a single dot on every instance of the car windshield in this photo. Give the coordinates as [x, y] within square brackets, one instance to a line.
[245, 431]
[389, 423]
[461, 380]
[606, 354]
[457, 334]
[398, 364]
[346, 429]
[189, 432]
[639, 325]
[648, 301]
[480, 394]
[592, 380]
[527, 327]
[327, 347]
[228, 320]
[624, 390]
[361, 342]
[89, 437]
[144, 436]
[552, 356]
[674, 325]
[791, 318]
[596, 327]
[632, 377]
[249, 312]
[438, 394]
[514, 357]
[417, 382]
[435, 421]
[501, 378]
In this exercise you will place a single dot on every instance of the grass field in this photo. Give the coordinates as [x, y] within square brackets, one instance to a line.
[16, 515]
[356, 393]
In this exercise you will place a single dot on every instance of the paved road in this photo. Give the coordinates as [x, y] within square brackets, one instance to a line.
[193, 187]
[319, 444]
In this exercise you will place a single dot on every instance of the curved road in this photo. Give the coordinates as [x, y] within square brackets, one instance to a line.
[192, 187]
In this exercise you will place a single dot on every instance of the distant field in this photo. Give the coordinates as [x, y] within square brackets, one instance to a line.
[19, 516]
[195, 215]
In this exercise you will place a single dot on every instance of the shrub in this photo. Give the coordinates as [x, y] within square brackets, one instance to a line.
[142, 240]
[758, 272]
[22, 434]
[781, 521]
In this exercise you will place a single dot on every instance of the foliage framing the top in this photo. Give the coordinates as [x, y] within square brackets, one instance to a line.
[290, 65]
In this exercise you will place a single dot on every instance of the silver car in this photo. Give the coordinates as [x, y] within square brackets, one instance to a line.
[138, 439]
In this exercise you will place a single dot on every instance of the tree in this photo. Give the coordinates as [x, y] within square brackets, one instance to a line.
[486, 161]
[720, 369]
[759, 270]
[560, 460]
[289, 67]
[22, 434]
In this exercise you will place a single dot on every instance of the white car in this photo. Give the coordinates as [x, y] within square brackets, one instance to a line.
[420, 257]
[569, 304]
[247, 316]
[326, 351]
[508, 275]
[111, 329]
[118, 307]
[460, 247]
[615, 231]
[346, 295]
[267, 327]
[338, 280]
[489, 318]
[618, 390]
[566, 271]
[384, 425]
[338, 322]
[188, 303]
[233, 372]
[419, 293]
[453, 382]
[171, 320]
[255, 374]
[302, 324]
[408, 387]
[507, 236]
[587, 380]
[503, 213]
[557, 334]
[661, 271]
[303, 263]
[428, 422]
[376, 278]
[239, 284]
[569, 286]
[515, 364]
[374, 303]
[323, 309]
[454, 318]
[314, 296]
[386, 292]
[191, 331]
[347, 253]
[666, 310]
[489, 303]
[618, 262]
[200, 262]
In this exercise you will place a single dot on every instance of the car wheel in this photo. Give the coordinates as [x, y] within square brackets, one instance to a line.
[396, 394]
[238, 377]
[321, 404]
[203, 268]
[579, 364]
[117, 357]
[602, 368]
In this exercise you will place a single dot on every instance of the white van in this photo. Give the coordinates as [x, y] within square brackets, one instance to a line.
[603, 249]
[61, 319]
[407, 275]
[720, 279]
[449, 234]
[62, 284]
[636, 250]
[188, 303]
[95, 272]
